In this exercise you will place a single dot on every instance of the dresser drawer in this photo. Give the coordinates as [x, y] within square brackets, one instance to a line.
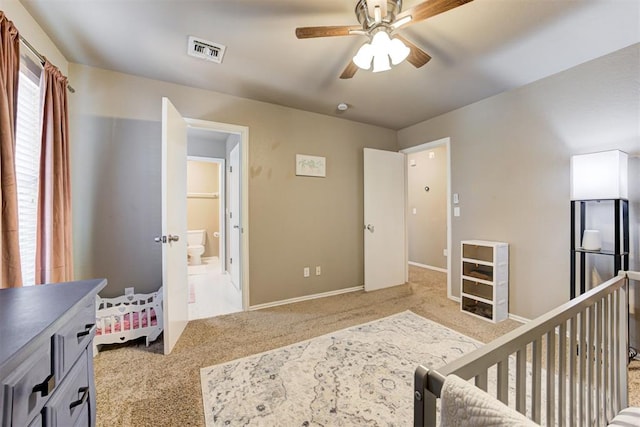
[69, 405]
[36, 422]
[83, 416]
[27, 388]
[73, 338]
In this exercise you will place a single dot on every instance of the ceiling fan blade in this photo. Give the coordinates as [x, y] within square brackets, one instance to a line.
[349, 70]
[426, 10]
[417, 57]
[311, 32]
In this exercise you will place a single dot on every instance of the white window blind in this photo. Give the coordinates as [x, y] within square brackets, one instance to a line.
[28, 166]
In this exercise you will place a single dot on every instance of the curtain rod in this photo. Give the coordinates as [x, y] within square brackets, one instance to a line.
[41, 58]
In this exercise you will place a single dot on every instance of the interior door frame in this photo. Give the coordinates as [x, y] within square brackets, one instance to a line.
[243, 132]
[222, 197]
[423, 147]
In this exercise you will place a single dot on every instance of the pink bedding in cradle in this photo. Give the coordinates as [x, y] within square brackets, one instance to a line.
[127, 323]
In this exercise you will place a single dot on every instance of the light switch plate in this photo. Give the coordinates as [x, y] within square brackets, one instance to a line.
[456, 211]
[455, 198]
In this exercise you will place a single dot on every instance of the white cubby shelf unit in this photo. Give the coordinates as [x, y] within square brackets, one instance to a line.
[484, 287]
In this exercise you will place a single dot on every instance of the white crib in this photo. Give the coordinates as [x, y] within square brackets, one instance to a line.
[579, 379]
[128, 317]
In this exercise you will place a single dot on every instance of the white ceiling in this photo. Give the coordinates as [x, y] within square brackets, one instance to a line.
[479, 49]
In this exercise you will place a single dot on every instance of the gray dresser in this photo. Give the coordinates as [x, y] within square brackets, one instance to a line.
[46, 360]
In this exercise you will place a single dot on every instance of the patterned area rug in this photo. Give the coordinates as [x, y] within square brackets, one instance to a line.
[362, 375]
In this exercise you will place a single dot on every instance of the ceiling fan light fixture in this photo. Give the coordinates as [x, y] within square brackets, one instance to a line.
[364, 56]
[398, 51]
[379, 51]
[381, 63]
[380, 42]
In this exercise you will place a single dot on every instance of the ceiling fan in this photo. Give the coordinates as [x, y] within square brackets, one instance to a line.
[379, 20]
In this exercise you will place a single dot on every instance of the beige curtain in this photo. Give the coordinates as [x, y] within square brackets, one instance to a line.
[9, 71]
[54, 254]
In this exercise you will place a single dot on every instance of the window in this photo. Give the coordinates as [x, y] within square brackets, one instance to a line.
[28, 131]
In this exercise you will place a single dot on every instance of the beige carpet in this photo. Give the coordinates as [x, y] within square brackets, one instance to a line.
[138, 386]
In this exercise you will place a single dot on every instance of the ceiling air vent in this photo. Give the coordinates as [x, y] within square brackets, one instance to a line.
[205, 49]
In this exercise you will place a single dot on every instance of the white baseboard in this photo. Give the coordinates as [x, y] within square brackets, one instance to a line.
[306, 298]
[519, 318]
[429, 267]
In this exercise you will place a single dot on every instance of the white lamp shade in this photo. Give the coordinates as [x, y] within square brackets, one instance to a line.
[380, 42]
[381, 63]
[398, 51]
[364, 56]
[598, 176]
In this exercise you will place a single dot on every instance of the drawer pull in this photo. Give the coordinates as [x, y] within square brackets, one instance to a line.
[86, 331]
[46, 386]
[85, 395]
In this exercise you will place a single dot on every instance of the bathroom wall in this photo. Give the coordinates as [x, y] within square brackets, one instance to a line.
[427, 216]
[203, 202]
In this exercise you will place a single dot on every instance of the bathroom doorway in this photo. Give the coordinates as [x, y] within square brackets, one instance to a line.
[211, 290]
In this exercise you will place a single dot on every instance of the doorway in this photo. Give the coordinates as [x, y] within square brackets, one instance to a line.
[211, 292]
[175, 291]
[429, 207]
[214, 205]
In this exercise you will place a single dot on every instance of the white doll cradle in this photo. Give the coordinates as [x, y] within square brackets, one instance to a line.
[128, 317]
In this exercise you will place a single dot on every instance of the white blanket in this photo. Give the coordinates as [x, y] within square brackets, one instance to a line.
[463, 404]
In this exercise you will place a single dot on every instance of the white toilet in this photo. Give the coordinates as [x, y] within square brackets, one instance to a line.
[195, 246]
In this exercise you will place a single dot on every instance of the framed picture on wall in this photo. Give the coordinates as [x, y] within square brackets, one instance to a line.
[310, 165]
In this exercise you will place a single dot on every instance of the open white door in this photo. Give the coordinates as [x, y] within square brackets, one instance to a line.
[174, 225]
[385, 257]
[234, 215]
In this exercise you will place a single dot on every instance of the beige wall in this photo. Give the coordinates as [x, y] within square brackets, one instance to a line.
[427, 227]
[203, 212]
[293, 221]
[510, 165]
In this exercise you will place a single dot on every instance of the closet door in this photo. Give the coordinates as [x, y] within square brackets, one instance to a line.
[385, 244]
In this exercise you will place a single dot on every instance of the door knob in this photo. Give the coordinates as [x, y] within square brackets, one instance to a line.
[370, 227]
[166, 239]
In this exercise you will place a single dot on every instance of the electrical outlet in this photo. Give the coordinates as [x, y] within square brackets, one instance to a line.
[305, 272]
[318, 270]
[445, 252]
[128, 291]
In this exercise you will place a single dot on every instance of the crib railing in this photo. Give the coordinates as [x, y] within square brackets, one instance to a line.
[570, 363]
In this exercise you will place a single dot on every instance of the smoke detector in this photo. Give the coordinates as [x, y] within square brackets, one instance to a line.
[205, 49]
